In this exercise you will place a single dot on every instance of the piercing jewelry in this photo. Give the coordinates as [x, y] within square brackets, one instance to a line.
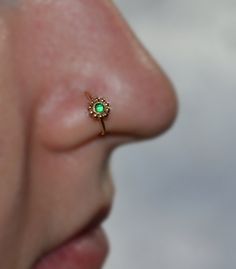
[98, 109]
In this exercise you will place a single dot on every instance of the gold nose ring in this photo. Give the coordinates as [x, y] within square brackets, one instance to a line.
[98, 109]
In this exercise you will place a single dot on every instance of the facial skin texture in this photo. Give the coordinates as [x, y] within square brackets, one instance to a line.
[54, 168]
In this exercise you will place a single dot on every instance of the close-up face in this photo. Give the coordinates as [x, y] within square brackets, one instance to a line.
[55, 182]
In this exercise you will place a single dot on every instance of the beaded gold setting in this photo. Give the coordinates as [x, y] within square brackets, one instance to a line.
[99, 108]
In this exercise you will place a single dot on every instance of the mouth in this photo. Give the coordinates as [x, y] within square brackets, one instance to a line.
[86, 249]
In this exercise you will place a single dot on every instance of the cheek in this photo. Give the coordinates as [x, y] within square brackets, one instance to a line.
[13, 170]
[14, 154]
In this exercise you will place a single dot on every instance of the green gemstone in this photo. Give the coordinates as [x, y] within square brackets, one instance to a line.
[99, 108]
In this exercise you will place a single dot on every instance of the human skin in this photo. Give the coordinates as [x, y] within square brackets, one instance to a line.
[54, 168]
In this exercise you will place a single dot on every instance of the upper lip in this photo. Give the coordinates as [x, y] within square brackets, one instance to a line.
[98, 218]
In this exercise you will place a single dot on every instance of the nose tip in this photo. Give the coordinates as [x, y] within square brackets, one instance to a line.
[144, 101]
[160, 103]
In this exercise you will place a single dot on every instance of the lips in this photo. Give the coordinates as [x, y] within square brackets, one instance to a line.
[86, 249]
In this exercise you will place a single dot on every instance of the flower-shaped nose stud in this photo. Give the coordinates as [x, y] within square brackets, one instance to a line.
[98, 109]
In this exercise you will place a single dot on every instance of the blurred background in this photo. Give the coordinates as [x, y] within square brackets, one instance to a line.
[176, 195]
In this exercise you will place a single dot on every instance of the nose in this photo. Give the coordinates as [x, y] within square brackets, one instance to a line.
[143, 97]
[90, 47]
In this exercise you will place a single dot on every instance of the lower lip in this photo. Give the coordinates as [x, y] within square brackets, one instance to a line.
[88, 251]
